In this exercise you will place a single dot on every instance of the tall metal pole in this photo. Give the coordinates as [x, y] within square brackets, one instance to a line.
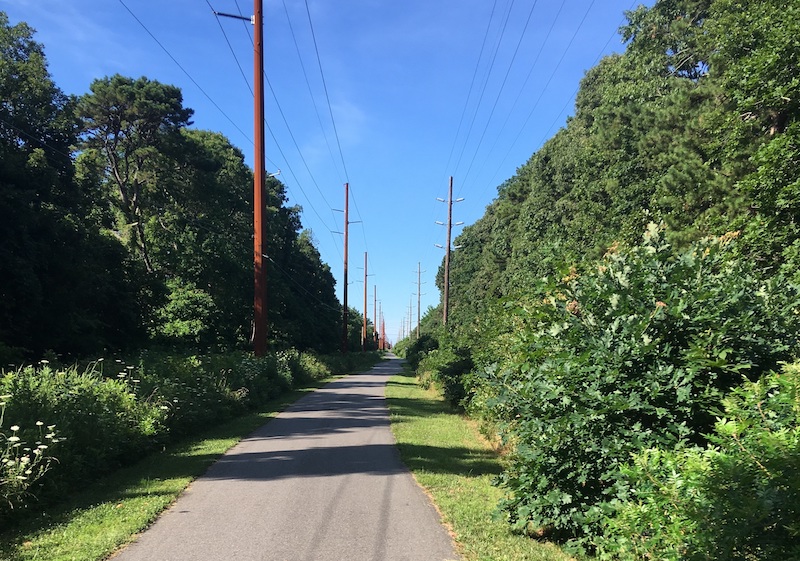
[380, 328]
[447, 253]
[410, 317]
[364, 327]
[346, 228]
[375, 314]
[260, 272]
[419, 295]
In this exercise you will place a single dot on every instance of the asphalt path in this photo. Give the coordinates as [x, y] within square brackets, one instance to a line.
[322, 481]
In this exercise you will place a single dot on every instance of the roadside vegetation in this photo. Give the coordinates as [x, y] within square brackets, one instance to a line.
[127, 281]
[86, 515]
[456, 466]
[625, 317]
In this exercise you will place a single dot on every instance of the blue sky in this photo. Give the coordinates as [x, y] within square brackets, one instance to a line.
[418, 90]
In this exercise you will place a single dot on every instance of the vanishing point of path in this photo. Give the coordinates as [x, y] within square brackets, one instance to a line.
[322, 481]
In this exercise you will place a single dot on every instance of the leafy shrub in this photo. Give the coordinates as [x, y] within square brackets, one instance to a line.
[22, 463]
[312, 367]
[419, 348]
[737, 499]
[634, 354]
[102, 420]
[446, 367]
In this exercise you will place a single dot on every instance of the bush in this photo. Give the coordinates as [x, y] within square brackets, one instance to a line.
[102, 420]
[737, 499]
[634, 354]
[25, 457]
[446, 367]
[419, 348]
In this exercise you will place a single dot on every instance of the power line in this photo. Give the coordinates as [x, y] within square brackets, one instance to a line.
[500, 92]
[525, 83]
[308, 85]
[163, 48]
[570, 99]
[471, 85]
[233, 52]
[325, 86]
[485, 83]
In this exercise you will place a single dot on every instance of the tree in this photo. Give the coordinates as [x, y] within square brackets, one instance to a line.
[128, 121]
[63, 284]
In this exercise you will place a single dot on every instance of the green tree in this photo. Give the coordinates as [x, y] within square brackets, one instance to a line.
[64, 286]
[128, 122]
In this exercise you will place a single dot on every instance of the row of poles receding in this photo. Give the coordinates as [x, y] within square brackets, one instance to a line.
[260, 326]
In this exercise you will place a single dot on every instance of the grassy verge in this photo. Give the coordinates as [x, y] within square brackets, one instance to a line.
[455, 465]
[108, 514]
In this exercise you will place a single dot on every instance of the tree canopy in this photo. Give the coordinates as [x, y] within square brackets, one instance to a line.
[123, 226]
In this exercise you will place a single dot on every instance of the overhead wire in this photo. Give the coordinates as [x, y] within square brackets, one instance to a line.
[546, 85]
[333, 122]
[571, 99]
[325, 87]
[500, 91]
[483, 89]
[438, 239]
[230, 47]
[525, 82]
[471, 86]
[308, 85]
[271, 132]
[179, 65]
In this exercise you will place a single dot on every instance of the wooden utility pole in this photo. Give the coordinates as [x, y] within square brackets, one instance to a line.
[380, 328]
[364, 326]
[446, 301]
[260, 271]
[375, 315]
[419, 295]
[410, 317]
[346, 228]
[383, 333]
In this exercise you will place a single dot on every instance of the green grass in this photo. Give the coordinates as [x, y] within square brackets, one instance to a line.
[96, 521]
[455, 465]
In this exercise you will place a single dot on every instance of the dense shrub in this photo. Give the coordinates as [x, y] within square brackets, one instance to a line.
[420, 347]
[446, 367]
[634, 354]
[111, 413]
[103, 422]
[737, 499]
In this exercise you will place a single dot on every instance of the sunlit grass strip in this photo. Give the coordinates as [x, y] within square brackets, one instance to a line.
[455, 465]
[111, 512]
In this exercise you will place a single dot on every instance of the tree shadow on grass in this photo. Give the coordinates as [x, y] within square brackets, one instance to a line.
[436, 459]
[456, 461]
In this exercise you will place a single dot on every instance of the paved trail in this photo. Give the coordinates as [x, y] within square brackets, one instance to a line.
[321, 482]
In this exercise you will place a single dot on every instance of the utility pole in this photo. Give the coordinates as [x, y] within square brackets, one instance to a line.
[446, 296]
[364, 327]
[380, 327]
[410, 316]
[260, 272]
[375, 315]
[419, 296]
[346, 228]
[260, 326]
